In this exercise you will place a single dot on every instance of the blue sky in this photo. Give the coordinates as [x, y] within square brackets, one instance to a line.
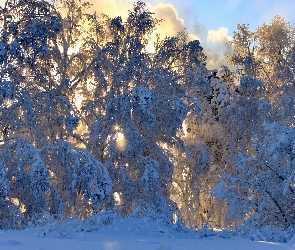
[213, 14]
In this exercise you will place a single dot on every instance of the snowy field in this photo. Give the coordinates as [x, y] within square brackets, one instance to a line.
[127, 234]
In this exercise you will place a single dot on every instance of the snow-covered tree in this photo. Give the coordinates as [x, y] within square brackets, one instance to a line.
[90, 120]
[138, 102]
[260, 191]
[265, 54]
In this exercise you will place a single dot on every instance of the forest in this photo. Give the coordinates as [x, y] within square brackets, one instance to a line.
[92, 121]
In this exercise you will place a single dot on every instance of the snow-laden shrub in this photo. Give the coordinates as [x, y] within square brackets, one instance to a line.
[260, 191]
[82, 183]
[9, 213]
[59, 180]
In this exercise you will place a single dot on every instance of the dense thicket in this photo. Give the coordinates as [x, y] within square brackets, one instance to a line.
[90, 120]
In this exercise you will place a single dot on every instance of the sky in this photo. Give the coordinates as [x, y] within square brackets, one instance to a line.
[213, 14]
[211, 21]
[214, 21]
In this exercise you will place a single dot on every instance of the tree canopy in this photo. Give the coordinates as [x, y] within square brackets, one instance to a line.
[92, 121]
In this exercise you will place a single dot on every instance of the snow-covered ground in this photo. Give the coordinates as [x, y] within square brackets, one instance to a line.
[124, 234]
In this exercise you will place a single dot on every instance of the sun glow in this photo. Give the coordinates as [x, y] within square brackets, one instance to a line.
[120, 141]
[116, 127]
[17, 203]
[117, 198]
[163, 145]
[78, 99]
[184, 128]
[75, 49]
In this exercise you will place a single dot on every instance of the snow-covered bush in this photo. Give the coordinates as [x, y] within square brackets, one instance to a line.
[9, 213]
[260, 192]
[80, 184]
[58, 180]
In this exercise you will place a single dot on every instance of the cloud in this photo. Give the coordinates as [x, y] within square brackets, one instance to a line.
[112, 8]
[216, 54]
[171, 23]
[216, 47]
[218, 35]
[215, 42]
[200, 30]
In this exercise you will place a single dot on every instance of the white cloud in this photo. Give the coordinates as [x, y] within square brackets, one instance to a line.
[218, 35]
[216, 54]
[171, 23]
[216, 47]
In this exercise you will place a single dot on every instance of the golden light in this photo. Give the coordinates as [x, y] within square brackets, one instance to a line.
[116, 127]
[75, 50]
[150, 48]
[78, 99]
[21, 206]
[117, 198]
[184, 128]
[80, 145]
[163, 145]
[120, 141]
[120, 136]
[81, 128]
